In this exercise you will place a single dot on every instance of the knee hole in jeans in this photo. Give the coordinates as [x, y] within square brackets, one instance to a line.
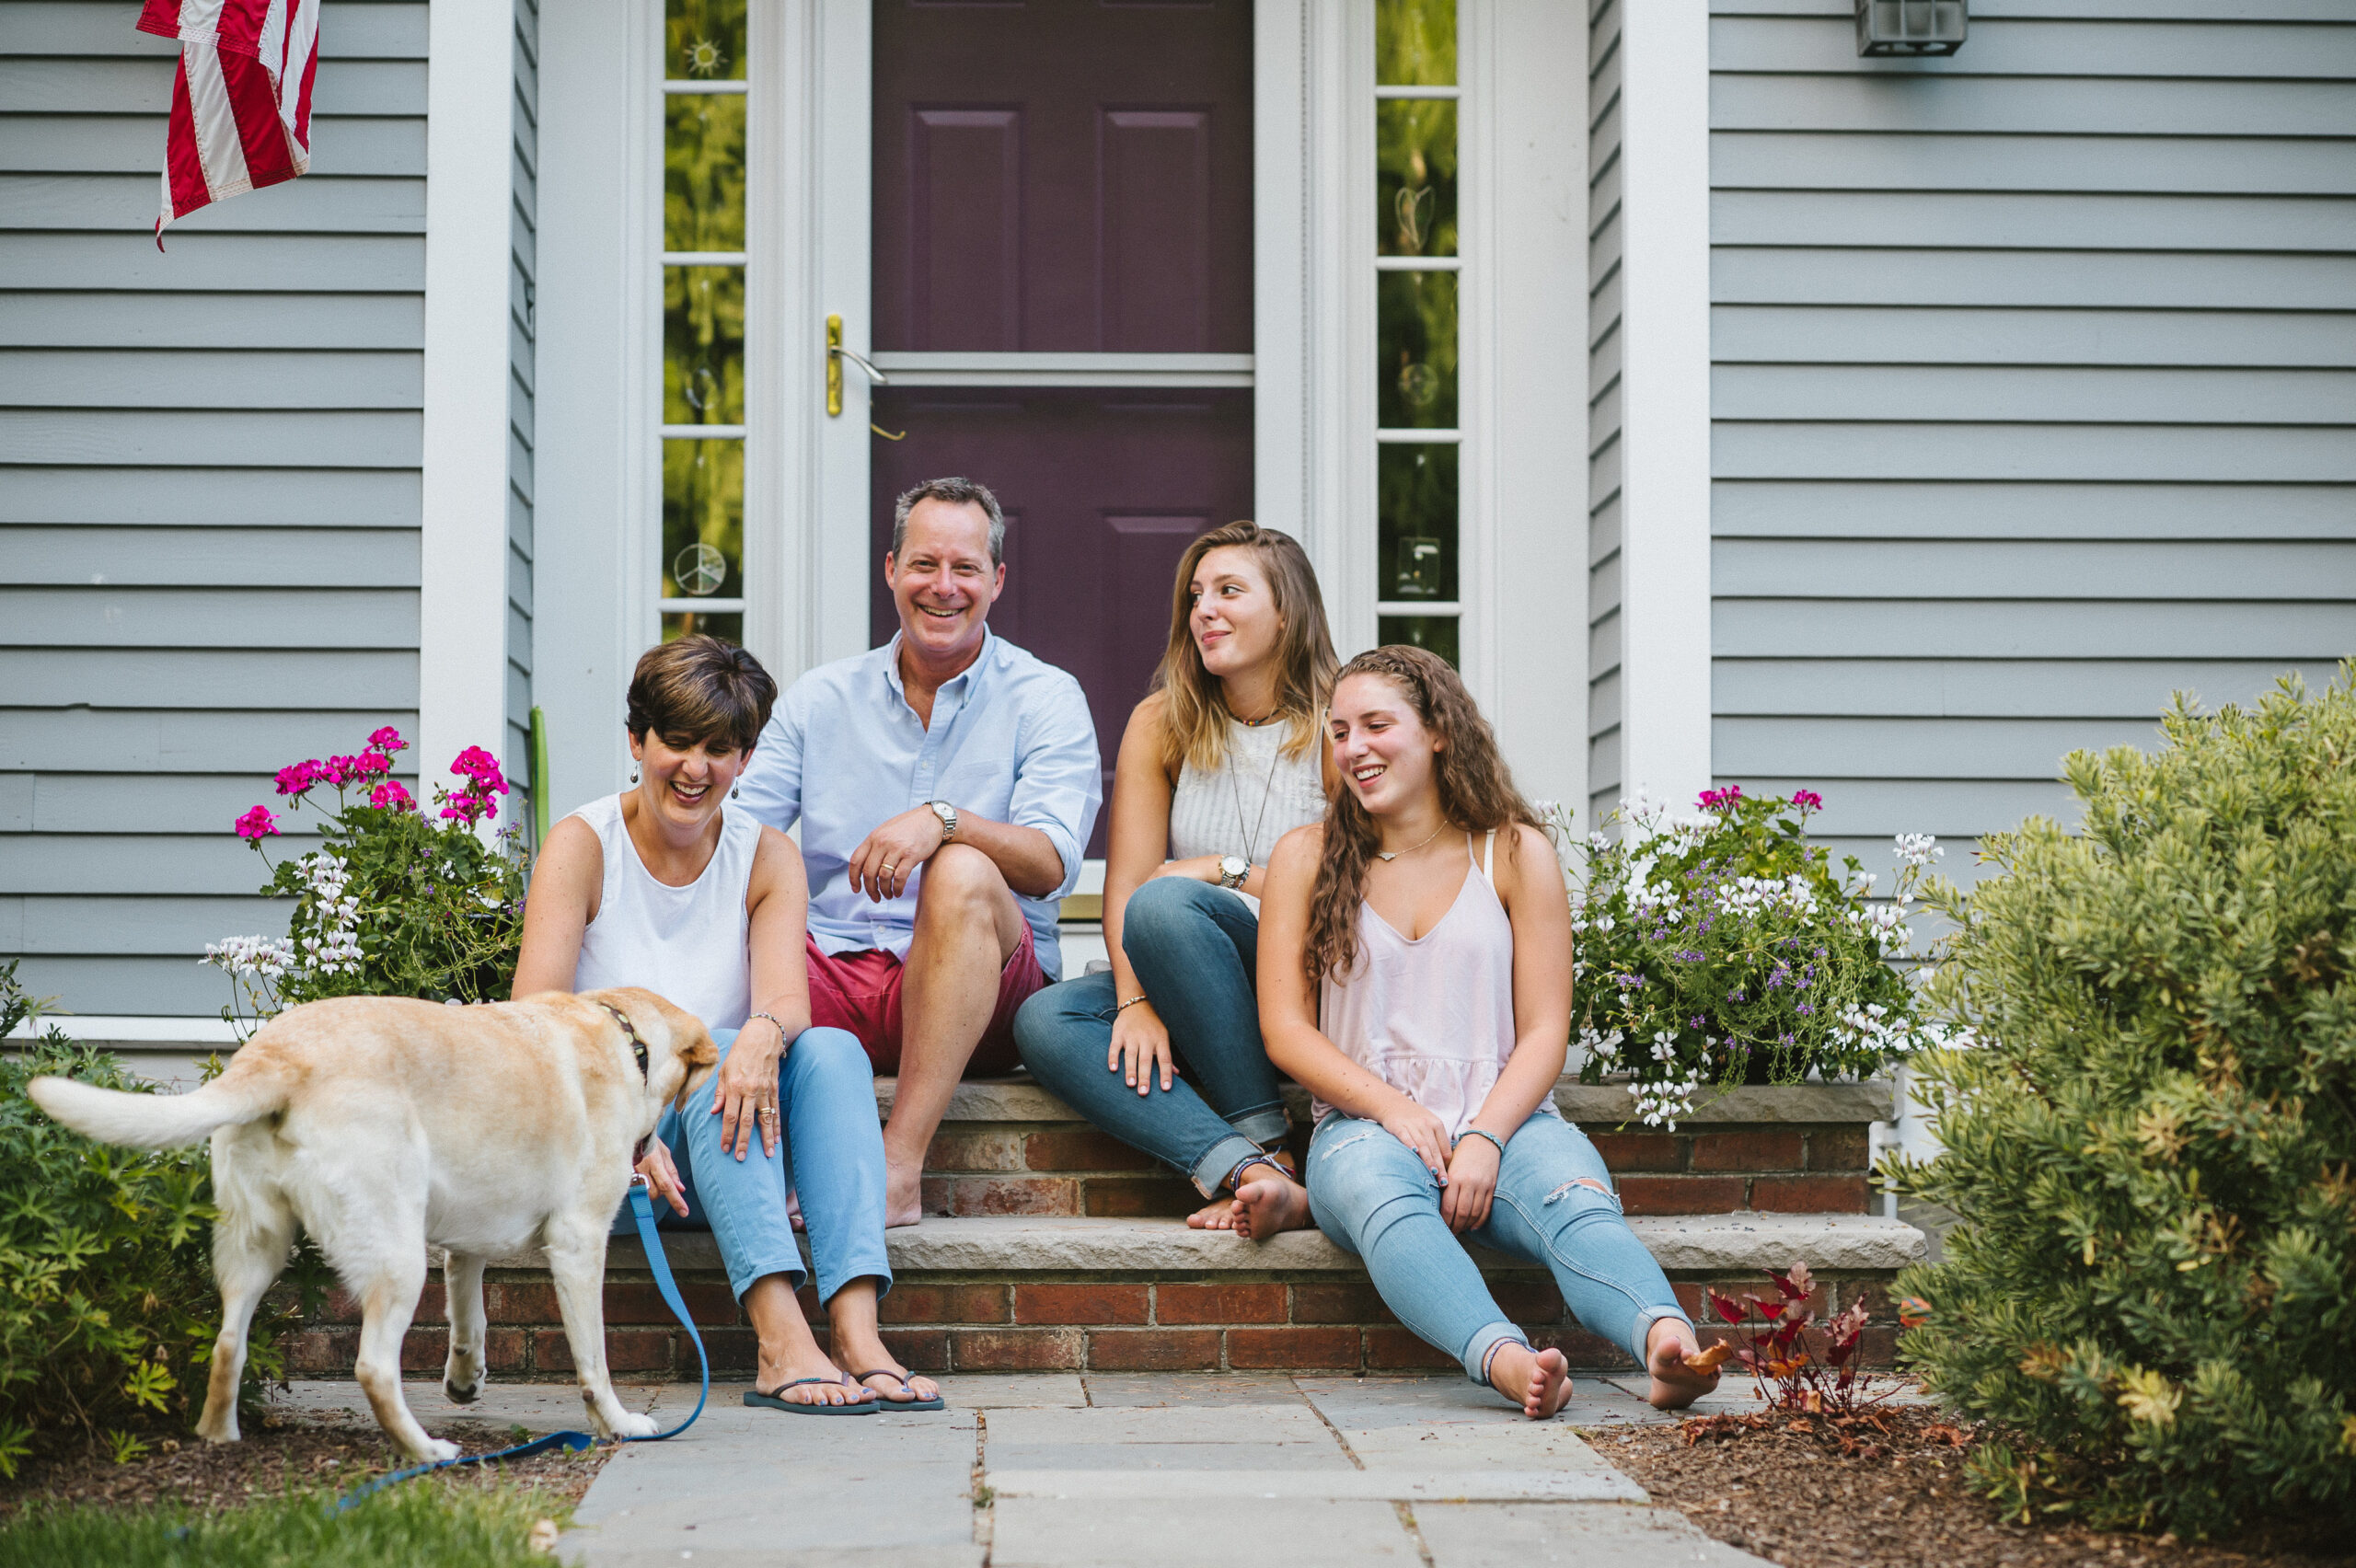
[1566, 1189]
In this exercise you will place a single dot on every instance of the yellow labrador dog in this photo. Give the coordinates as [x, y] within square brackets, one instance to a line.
[385, 1126]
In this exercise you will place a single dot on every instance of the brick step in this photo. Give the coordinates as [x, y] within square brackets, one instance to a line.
[1008, 1147]
[1031, 1293]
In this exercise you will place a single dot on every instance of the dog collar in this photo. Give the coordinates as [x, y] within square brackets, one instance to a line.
[637, 1046]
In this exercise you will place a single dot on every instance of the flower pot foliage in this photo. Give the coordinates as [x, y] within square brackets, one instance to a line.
[396, 903]
[2151, 1139]
[1723, 948]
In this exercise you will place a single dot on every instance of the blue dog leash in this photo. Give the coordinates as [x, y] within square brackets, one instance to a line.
[642, 1210]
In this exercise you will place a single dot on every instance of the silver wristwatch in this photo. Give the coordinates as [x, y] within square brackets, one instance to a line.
[948, 815]
[1232, 870]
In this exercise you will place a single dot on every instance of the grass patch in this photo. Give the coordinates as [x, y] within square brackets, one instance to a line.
[416, 1523]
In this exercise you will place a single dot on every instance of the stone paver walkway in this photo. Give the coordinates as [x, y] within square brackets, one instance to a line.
[1139, 1470]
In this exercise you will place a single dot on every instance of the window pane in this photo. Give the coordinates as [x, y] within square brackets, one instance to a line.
[729, 627]
[1435, 632]
[703, 171]
[1414, 43]
[1415, 141]
[1415, 346]
[703, 345]
[703, 519]
[707, 41]
[1416, 556]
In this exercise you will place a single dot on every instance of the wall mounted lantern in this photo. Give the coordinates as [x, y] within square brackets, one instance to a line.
[1905, 28]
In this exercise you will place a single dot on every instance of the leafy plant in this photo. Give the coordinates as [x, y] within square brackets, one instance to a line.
[398, 903]
[106, 1302]
[2150, 1132]
[1791, 1372]
[1721, 948]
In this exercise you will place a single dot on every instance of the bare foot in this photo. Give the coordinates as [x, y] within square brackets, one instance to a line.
[1682, 1371]
[1217, 1215]
[1540, 1381]
[1272, 1204]
[903, 1196]
[776, 1373]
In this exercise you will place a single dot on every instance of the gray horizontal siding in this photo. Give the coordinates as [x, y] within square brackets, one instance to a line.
[1606, 344]
[2035, 391]
[209, 489]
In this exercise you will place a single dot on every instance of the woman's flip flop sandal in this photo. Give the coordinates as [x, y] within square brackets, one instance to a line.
[797, 1407]
[906, 1386]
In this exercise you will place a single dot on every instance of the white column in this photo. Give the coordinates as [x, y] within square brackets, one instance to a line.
[1523, 195]
[462, 630]
[1666, 398]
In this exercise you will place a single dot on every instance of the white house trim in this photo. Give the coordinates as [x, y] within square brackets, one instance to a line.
[462, 605]
[1522, 200]
[1665, 378]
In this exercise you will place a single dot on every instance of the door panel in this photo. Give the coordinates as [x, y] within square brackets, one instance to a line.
[1103, 492]
[1113, 143]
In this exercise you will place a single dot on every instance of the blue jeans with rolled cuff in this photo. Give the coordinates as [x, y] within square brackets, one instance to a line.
[830, 1151]
[1195, 949]
[1372, 1195]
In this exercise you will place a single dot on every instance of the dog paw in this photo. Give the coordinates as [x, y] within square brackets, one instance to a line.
[633, 1424]
[437, 1452]
[461, 1393]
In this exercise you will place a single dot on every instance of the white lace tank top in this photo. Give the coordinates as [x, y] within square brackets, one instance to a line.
[687, 945]
[1432, 1017]
[1254, 799]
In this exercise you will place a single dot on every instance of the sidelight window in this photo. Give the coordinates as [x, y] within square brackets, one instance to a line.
[1417, 267]
[704, 96]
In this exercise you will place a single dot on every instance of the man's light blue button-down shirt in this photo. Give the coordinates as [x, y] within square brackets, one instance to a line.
[1010, 741]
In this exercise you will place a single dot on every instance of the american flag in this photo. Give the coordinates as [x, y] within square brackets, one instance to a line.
[242, 104]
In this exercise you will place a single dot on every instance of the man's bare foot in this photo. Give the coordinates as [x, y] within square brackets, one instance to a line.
[1539, 1380]
[903, 1196]
[1269, 1206]
[1682, 1371]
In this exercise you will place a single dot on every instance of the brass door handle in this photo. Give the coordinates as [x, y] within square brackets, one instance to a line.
[836, 354]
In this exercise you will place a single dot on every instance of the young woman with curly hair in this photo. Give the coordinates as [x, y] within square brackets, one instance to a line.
[1415, 976]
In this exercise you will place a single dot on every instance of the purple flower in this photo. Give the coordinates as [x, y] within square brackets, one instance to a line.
[256, 825]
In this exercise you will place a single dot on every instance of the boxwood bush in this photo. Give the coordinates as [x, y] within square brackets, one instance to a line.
[107, 1308]
[2151, 1135]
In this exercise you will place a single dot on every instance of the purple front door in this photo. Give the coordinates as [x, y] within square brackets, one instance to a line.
[1053, 178]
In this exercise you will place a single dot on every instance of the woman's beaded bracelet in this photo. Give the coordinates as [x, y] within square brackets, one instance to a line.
[782, 1041]
[1131, 1002]
[1477, 1133]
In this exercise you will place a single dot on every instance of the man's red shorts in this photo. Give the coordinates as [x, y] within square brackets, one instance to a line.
[861, 992]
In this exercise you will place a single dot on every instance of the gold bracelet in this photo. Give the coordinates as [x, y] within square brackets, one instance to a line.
[1133, 1001]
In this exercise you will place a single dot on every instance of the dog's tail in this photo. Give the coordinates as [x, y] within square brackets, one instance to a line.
[156, 1121]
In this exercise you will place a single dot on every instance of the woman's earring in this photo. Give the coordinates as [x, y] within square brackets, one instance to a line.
[736, 792]
[633, 773]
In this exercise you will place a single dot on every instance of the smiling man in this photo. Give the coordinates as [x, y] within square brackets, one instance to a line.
[945, 784]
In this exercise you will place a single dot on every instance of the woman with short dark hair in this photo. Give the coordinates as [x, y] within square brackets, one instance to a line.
[664, 886]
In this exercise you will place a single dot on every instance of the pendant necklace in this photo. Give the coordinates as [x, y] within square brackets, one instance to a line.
[1412, 847]
[1267, 788]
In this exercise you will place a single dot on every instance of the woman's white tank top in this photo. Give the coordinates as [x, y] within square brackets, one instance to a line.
[1256, 797]
[1432, 1017]
[687, 945]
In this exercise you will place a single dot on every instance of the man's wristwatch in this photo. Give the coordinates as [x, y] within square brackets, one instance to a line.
[1232, 870]
[948, 815]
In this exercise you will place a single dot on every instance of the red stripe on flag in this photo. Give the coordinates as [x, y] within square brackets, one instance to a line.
[254, 101]
[303, 103]
[183, 166]
[240, 27]
[161, 17]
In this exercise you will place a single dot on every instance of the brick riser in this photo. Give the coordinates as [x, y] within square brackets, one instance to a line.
[941, 1324]
[1061, 1169]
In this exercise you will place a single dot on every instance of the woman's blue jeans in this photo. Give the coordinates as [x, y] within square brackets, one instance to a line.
[1372, 1195]
[831, 1152]
[1194, 947]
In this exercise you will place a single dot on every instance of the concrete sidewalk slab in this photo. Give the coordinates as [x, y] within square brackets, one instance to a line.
[1182, 1533]
[1221, 1437]
[1580, 1535]
[1593, 1483]
[538, 1406]
[1108, 1390]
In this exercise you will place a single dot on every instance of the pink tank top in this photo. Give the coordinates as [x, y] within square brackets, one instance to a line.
[1432, 1017]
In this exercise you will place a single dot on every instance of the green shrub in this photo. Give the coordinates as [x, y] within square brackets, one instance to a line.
[108, 1307]
[2149, 1139]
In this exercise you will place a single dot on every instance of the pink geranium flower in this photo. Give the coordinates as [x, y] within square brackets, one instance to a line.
[1807, 800]
[390, 797]
[1724, 799]
[256, 825]
[301, 776]
[388, 741]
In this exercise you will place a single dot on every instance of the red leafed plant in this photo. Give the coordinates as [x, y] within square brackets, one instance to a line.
[1794, 1373]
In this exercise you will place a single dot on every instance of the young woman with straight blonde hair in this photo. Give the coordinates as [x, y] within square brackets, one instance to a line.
[1220, 760]
[1416, 977]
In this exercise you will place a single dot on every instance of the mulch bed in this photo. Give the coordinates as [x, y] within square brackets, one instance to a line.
[1887, 1489]
[286, 1452]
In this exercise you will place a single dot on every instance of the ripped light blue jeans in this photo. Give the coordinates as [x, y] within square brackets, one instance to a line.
[1371, 1195]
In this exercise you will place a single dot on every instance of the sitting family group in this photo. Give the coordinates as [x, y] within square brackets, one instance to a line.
[1373, 912]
